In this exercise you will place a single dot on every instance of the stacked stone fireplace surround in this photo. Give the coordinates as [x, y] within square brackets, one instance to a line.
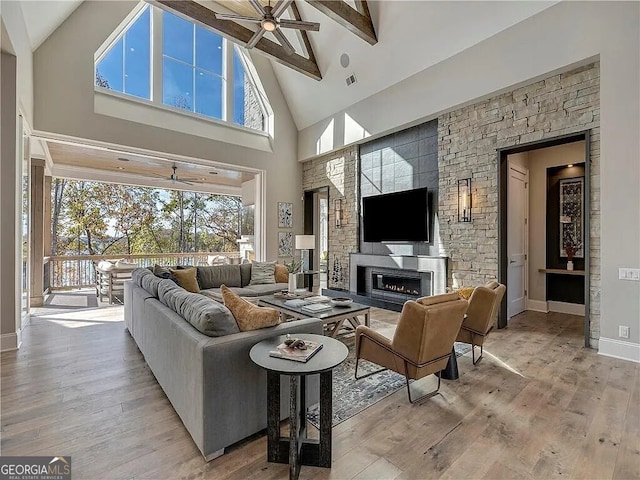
[467, 140]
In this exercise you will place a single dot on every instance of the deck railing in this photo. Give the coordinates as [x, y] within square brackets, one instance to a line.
[78, 271]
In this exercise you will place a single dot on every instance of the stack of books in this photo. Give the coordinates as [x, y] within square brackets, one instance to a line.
[295, 354]
[316, 307]
[295, 303]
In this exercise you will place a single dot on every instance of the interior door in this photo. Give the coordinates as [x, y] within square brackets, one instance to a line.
[517, 236]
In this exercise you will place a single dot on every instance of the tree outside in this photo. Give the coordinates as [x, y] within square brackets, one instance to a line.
[96, 218]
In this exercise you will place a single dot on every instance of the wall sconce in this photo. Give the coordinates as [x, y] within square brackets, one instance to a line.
[337, 207]
[464, 200]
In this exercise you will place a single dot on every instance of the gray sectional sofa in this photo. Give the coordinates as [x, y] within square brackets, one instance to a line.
[237, 278]
[217, 391]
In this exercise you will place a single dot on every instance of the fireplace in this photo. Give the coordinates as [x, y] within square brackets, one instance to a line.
[396, 283]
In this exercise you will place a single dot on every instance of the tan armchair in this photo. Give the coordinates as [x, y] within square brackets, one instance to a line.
[482, 313]
[422, 343]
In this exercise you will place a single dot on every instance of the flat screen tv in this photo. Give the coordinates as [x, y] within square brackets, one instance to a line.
[396, 217]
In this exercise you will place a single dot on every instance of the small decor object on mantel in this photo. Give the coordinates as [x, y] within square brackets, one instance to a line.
[285, 215]
[570, 250]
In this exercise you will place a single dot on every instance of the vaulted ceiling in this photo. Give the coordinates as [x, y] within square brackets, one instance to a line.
[412, 36]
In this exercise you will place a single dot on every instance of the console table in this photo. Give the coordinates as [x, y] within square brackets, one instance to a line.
[298, 449]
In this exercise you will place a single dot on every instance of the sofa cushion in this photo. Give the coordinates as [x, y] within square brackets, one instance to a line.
[164, 286]
[207, 316]
[249, 316]
[245, 274]
[261, 290]
[215, 275]
[262, 273]
[150, 284]
[281, 274]
[138, 273]
[186, 278]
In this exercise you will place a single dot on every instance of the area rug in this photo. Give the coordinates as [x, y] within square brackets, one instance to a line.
[351, 396]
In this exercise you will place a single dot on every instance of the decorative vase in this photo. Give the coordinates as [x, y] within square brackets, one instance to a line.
[569, 266]
[293, 282]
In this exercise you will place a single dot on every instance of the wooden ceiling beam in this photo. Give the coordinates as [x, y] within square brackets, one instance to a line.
[356, 21]
[231, 30]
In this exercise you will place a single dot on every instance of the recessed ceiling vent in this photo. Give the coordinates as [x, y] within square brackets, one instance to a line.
[351, 79]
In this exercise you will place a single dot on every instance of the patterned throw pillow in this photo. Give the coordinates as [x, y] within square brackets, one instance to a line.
[262, 273]
[281, 274]
[248, 316]
[187, 279]
[465, 292]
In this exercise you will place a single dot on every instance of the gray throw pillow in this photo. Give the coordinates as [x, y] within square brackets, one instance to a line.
[207, 316]
[263, 273]
[215, 275]
[245, 274]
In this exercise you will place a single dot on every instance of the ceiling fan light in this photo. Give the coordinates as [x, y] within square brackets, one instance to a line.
[269, 25]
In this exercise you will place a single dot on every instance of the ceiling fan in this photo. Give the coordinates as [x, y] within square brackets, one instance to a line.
[269, 22]
[175, 179]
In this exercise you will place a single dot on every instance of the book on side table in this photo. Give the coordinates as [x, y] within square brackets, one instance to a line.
[296, 354]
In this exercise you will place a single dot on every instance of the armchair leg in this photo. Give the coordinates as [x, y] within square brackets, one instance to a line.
[427, 395]
[367, 374]
[473, 354]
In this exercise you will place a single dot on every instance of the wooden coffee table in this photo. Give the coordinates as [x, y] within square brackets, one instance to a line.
[333, 318]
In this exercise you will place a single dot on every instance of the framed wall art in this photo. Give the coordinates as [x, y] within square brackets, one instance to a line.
[285, 244]
[285, 215]
[572, 216]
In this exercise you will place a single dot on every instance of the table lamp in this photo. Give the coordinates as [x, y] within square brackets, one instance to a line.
[305, 243]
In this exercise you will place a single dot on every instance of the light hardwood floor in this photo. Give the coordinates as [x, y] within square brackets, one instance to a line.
[537, 406]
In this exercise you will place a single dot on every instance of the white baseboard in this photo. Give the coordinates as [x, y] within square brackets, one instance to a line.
[564, 307]
[537, 305]
[10, 341]
[619, 349]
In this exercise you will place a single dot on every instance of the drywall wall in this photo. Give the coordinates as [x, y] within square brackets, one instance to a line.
[64, 104]
[539, 161]
[9, 294]
[555, 40]
[16, 29]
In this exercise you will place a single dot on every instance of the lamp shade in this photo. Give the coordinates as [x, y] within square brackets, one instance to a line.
[305, 242]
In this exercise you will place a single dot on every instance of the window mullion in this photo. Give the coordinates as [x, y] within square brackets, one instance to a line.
[156, 56]
[194, 71]
[227, 82]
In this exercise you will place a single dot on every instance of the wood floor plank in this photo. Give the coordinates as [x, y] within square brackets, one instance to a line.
[539, 405]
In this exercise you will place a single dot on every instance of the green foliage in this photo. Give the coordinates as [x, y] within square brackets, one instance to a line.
[100, 218]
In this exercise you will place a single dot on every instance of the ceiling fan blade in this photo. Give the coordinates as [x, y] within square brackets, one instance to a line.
[283, 41]
[299, 25]
[258, 6]
[280, 7]
[256, 38]
[240, 18]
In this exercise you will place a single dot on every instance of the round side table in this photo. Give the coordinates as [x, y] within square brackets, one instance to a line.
[297, 449]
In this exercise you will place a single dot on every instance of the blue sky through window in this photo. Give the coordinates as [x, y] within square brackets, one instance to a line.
[192, 67]
[126, 67]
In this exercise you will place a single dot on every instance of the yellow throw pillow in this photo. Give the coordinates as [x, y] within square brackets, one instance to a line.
[248, 316]
[187, 279]
[465, 292]
[281, 274]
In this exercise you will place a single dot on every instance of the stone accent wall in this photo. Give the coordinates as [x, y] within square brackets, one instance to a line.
[338, 172]
[253, 116]
[467, 141]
